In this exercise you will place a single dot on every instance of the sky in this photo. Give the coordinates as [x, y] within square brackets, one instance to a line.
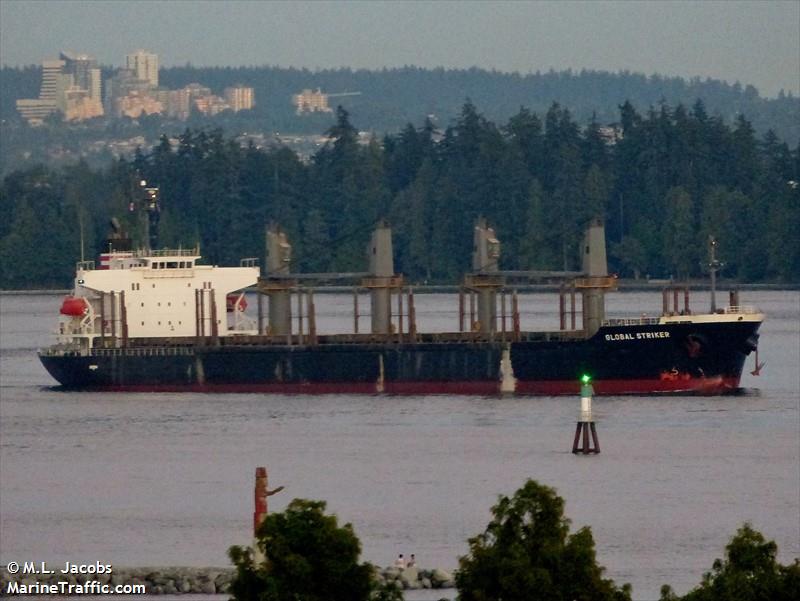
[753, 42]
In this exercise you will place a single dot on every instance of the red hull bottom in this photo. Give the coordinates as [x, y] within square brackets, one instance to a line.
[705, 386]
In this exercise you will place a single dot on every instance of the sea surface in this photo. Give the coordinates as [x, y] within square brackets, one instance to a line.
[167, 479]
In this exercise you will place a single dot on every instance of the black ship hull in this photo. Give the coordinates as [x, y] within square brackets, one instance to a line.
[630, 359]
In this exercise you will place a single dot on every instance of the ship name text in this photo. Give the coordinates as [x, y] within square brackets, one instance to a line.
[636, 336]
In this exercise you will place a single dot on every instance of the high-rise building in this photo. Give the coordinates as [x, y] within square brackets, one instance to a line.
[70, 85]
[94, 88]
[36, 110]
[239, 97]
[144, 65]
[80, 66]
[51, 72]
[79, 88]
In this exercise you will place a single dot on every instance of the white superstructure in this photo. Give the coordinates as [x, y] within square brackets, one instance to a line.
[154, 294]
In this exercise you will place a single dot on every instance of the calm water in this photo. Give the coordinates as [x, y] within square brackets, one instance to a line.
[167, 479]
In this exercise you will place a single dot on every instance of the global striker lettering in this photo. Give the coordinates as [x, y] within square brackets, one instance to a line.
[637, 336]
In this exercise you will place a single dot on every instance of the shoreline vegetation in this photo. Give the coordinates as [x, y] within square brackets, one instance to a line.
[664, 182]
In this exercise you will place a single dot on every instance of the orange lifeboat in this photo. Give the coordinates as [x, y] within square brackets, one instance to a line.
[235, 302]
[74, 306]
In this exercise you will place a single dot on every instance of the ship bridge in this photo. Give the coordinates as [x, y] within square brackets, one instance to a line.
[152, 293]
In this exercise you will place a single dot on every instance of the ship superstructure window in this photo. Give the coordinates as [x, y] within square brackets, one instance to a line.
[172, 265]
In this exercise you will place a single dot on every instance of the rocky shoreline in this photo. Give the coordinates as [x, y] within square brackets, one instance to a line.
[210, 581]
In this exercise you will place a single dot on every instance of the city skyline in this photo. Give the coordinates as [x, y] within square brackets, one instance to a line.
[72, 86]
[754, 43]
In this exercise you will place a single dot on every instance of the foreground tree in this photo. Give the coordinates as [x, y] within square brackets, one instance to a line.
[527, 554]
[748, 573]
[307, 557]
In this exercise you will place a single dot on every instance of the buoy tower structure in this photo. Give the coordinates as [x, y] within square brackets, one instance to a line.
[585, 427]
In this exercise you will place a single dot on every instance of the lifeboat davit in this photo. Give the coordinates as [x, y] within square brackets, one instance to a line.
[235, 302]
[74, 306]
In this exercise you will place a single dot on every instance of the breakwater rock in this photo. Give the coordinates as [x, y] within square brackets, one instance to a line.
[415, 578]
[184, 580]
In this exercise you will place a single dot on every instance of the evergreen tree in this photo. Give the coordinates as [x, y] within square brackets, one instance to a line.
[680, 239]
[526, 553]
[307, 557]
[749, 572]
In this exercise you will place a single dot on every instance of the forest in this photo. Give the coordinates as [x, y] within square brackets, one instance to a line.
[672, 177]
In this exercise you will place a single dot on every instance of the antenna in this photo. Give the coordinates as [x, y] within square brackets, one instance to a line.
[149, 202]
[80, 224]
[713, 266]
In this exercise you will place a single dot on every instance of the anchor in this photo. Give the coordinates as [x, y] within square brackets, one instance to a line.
[759, 366]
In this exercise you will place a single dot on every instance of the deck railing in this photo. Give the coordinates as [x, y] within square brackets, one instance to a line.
[745, 309]
[632, 321]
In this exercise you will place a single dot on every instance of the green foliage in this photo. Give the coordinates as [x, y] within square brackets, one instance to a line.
[527, 553]
[679, 233]
[307, 557]
[673, 178]
[749, 572]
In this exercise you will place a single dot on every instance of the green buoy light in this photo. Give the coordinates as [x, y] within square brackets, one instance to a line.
[585, 426]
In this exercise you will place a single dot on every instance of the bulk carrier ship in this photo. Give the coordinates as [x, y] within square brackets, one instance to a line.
[158, 320]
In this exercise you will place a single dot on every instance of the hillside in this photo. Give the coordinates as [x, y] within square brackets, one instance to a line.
[390, 98]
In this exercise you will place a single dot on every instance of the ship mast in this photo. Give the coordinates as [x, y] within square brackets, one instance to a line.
[147, 199]
[713, 266]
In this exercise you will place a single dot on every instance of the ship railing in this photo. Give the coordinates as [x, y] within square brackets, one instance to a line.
[62, 350]
[156, 351]
[169, 252]
[84, 266]
[632, 321]
[741, 309]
